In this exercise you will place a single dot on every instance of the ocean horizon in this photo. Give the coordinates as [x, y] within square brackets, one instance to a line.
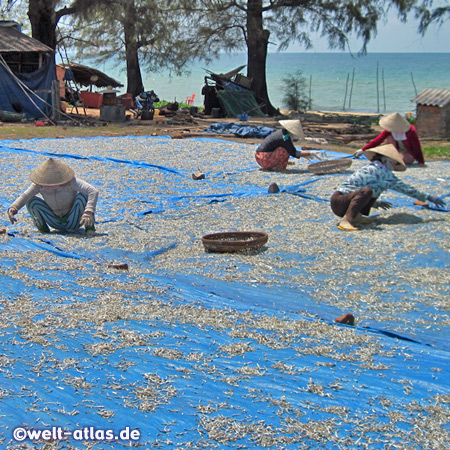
[370, 83]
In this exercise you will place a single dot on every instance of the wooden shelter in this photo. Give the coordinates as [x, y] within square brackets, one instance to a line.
[22, 53]
[433, 112]
[27, 74]
[89, 77]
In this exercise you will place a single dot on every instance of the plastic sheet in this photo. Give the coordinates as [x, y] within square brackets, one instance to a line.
[222, 351]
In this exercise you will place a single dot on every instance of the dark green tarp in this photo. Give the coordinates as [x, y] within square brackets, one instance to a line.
[239, 102]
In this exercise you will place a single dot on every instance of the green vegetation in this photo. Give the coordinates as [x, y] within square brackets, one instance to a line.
[295, 96]
[437, 149]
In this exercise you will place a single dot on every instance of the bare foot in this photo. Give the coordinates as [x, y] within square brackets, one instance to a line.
[345, 225]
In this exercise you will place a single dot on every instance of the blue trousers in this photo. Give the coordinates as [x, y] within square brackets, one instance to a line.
[43, 216]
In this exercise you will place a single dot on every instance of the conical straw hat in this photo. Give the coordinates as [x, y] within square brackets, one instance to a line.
[294, 127]
[51, 173]
[395, 123]
[391, 152]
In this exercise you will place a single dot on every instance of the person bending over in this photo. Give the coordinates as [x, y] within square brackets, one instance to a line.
[66, 203]
[402, 135]
[277, 147]
[356, 196]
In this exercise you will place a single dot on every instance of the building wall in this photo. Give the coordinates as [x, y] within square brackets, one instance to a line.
[433, 120]
[446, 119]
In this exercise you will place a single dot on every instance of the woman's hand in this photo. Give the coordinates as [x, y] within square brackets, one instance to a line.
[87, 219]
[11, 213]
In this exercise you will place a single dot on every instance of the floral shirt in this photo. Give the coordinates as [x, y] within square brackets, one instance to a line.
[379, 178]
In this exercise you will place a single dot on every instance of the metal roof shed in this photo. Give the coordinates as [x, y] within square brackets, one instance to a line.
[433, 112]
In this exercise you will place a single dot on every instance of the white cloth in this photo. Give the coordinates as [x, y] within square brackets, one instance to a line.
[60, 198]
[399, 136]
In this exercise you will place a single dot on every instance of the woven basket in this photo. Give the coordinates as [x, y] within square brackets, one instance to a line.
[234, 241]
[333, 166]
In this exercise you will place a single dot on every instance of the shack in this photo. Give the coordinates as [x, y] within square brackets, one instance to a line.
[87, 77]
[27, 71]
[230, 95]
[433, 112]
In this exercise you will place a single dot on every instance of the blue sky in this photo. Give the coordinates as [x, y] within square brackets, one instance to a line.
[395, 36]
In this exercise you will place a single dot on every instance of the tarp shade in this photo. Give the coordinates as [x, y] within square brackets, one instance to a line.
[16, 98]
[239, 102]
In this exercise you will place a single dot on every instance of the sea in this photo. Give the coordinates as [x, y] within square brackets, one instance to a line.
[371, 83]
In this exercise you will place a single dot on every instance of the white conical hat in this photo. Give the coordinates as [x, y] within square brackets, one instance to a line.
[294, 127]
[391, 152]
[51, 173]
[395, 123]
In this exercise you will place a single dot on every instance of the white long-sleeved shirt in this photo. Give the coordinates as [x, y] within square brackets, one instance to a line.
[60, 198]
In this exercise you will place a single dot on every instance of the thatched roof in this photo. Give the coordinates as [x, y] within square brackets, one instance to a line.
[88, 76]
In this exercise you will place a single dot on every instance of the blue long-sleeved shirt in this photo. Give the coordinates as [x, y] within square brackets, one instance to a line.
[379, 178]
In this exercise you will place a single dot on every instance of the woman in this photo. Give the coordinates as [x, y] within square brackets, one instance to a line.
[402, 135]
[354, 198]
[67, 203]
[275, 150]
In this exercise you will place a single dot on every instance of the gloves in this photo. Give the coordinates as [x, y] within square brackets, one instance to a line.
[436, 200]
[87, 219]
[11, 213]
[358, 153]
[382, 204]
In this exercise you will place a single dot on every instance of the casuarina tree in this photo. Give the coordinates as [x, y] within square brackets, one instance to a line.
[253, 25]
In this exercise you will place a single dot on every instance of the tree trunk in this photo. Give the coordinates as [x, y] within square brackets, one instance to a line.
[134, 77]
[43, 21]
[257, 43]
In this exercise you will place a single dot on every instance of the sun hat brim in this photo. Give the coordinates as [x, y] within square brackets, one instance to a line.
[391, 152]
[294, 127]
[395, 123]
[51, 173]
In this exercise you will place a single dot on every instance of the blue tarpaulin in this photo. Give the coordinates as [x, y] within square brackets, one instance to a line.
[203, 350]
[28, 93]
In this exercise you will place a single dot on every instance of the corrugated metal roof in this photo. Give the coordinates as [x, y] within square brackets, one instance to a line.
[433, 97]
[13, 40]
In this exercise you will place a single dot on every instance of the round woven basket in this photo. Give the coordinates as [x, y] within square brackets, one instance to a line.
[234, 241]
[332, 166]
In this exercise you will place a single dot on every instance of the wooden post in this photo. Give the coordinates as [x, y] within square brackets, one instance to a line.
[384, 91]
[56, 101]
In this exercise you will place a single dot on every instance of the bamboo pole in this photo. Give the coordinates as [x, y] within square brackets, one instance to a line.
[310, 90]
[384, 91]
[414, 84]
[351, 90]
[378, 93]
[346, 88]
